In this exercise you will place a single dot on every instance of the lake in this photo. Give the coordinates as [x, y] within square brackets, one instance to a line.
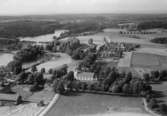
[5, 58]
[43, 38]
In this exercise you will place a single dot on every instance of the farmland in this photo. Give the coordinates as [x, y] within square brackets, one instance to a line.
[89, 104]
[149, 57]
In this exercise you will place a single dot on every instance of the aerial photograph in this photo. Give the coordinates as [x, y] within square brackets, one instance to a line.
[83, 57]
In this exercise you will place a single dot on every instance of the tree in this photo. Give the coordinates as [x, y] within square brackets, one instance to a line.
[122, 75]
[7, 89]
[153, 103]
[148, 97]
[39, 79]
[128, 77]
[60, 88]
[29, 53]
[126, 88]
[137, 86]
[36, 87]
[70, 76]
[30, 79]
[155, 75]
[107, 71]
[50, 71]
[15, 66]
[109, 80]
[75, 85]
[163, 75]
[147, 88]
[43, 70]
[34, 68]
[163, 108]
[83, 86]
[19, 100]
[89, 59]
[41, 103]
[90, 41]
[78, 54]
[21, 78]
[146, 77]
[55, 83]
[116, 88]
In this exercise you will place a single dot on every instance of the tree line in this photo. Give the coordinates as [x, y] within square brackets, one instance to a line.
[31, 53]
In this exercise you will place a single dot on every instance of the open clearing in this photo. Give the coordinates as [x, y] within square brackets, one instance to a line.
[89, 104]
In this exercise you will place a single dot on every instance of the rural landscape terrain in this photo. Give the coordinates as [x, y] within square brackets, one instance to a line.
[83, 65]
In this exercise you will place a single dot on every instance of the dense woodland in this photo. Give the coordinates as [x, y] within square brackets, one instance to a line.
[161, 40]
[39, 25]
[17, 29]
[29, 54]
[152, 25]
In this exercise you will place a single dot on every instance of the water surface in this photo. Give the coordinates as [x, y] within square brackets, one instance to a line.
[5, 58]
[44, 38]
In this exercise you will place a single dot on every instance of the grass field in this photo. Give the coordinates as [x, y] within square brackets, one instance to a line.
[147, 60]
[144, 60]
[89, 104]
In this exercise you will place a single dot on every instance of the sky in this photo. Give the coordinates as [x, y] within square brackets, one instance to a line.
[27, 7]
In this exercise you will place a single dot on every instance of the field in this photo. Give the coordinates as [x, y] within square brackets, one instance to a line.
[144, 60]
[112, 34]
[147, 60]
[89, 104]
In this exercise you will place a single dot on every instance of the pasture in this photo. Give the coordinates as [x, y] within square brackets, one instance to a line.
[89, 104]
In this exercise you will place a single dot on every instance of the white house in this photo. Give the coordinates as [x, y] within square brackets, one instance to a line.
[84, 76]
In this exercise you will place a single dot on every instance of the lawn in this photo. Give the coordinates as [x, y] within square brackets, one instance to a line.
[89, 104]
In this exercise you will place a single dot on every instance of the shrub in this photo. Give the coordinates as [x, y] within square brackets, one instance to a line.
[163, 108]
[19, 100]
[126, 88]
[146, 77]
[153, 103]
[36, 87]
[116, 89]
[163, 75]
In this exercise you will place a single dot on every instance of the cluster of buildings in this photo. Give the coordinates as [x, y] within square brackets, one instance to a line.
[132, 28]
[111, 49]
[128, 26]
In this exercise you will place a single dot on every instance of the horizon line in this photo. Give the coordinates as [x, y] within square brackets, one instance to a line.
[52, 14]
